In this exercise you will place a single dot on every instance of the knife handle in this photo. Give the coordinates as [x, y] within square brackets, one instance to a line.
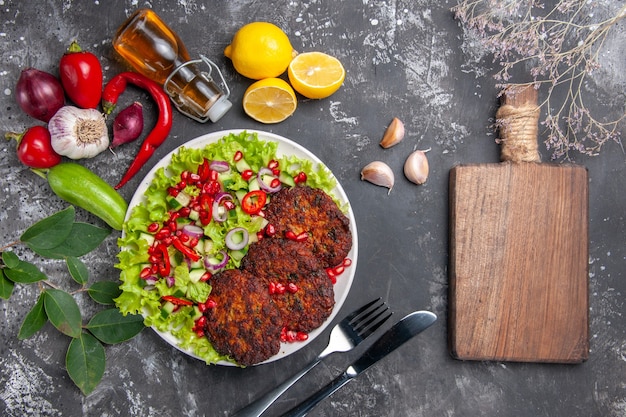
[307, 405]
[259, 406]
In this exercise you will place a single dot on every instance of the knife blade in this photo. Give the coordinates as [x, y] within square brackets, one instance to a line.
[396, 336]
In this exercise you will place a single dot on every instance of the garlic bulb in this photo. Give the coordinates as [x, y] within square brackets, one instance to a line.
[394, 133]
[78, 133]
[416, 167]
[378, 173]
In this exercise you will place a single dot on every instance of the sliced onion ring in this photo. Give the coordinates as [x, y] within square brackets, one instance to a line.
[267, 187]
[219, 166]
[211, 267]
[151, 280]
[230, 238]
[217, 204]
[192, 231]
[219, 197]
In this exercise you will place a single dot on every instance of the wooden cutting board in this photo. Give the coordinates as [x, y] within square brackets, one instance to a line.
[519, 250]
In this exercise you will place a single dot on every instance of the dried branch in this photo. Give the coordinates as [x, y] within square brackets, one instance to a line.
[559, 47]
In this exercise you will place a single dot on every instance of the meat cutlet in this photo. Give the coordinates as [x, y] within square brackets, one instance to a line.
[308, 301]
[305, 209]
[245, 324]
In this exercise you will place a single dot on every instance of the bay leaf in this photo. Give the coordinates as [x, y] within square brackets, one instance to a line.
[10, 259]
[51, 231]
[34, 320]
[110, 326]
[63, 312]
[104, 292]
[83, 238]
[85, 362]
[6, 286]
[78, 270]
[25, 273]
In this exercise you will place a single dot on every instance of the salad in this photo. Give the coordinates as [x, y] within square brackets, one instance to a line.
[197, 217]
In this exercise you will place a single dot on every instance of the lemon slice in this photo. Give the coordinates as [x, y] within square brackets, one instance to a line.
[270, 100]
[315, 74]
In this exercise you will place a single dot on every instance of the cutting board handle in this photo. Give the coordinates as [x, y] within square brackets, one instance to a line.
[518, 120]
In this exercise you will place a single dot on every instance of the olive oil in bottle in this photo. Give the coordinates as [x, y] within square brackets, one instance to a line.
[156, 51]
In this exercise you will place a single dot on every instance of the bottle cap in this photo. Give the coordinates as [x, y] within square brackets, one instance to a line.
[219, 108]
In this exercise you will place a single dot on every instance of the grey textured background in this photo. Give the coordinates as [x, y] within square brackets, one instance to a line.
[405, 59]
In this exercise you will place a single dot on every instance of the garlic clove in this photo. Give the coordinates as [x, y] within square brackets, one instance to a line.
[378, 173]
[416, 167]
[394, 133]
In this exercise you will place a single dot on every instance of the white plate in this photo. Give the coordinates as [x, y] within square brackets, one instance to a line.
[285, 147]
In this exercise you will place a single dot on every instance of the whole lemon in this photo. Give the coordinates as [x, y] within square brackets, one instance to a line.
[260, 50]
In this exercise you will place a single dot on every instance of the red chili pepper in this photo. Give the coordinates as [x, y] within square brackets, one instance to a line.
[186, 250]
[253, 202]
[176, 301]
[165, 267]
[206, 203]
[204, 171]
[161, 130]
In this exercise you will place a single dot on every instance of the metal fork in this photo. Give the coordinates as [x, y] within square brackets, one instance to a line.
[346, 335]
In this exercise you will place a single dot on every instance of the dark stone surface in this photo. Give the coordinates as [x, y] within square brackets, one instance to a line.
[404, 59]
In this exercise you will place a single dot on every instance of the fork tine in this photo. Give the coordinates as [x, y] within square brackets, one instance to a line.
[366, 331]
[367, 313]
[369, 318]
[355, 313]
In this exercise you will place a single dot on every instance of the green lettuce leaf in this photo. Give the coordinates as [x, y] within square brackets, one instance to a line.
[139, 298]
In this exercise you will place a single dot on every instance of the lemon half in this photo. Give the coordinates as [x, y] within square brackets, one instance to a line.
[316, 74]
[270, 100]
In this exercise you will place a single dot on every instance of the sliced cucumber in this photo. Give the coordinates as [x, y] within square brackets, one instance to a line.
[253, 185]
[167, 308]
[286, 179]
[195, 274]
[147, 237]
[181, 200]
[242, 165]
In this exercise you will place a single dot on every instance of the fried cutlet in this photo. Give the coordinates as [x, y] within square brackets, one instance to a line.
[245, 324]
[308, 302]
[305, 209]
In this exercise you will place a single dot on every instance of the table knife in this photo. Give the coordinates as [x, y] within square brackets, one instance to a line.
[392, 339]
